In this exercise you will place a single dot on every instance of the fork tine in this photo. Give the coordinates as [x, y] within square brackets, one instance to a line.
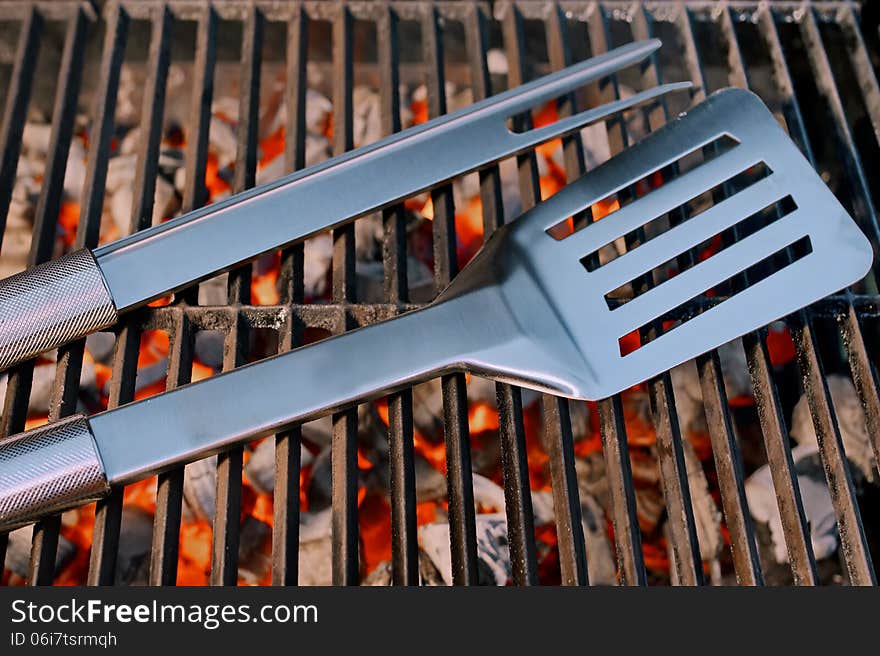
[554, 85]
[582, 119]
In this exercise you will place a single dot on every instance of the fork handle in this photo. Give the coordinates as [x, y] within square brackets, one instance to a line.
[51, 305]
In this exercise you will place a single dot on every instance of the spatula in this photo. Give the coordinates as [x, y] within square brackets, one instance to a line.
[534, 308]
[84, 291]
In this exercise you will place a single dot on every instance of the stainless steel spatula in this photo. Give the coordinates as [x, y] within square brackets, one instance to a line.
[534, 308]
[62, 300]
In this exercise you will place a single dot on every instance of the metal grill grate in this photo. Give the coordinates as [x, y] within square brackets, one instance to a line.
[817, 73]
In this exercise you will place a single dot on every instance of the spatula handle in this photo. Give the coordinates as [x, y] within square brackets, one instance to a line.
[51, 305]
[65, 464]
[47, 470]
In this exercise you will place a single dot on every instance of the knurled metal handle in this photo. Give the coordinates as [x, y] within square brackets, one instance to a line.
[52, 304]
[49, 469]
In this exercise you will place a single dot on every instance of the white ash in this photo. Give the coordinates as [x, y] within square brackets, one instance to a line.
[227, 106]
[200, 489]
[496, 61]
[18, 551]
[129, 97]
[16, 239]
[490, 495]
[366, 116]
[260, 467]
[493, 551]
[816, 499]
[75, 172]
[130, 142]
[317, 256]
[595, 143]
[166, 201]
[601, 566]
[213, 291]
[850, 420]
[121, 172]
[318, 111]
[223, 141]
[120, 202]
[315, 548]
[689, 395]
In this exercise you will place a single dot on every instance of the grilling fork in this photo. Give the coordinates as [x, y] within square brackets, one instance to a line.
[82, 292]
[533, 308]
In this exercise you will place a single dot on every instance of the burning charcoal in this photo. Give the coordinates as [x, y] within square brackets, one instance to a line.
[496, 61]
[596, 147]
[580, 419]
[135, 542]
[850, 420]
[120, 208]
[318, 111]
[209, 347]
[35, 139]
[121, 173]
[18, 551]
[200, 488]
[254, 561]
[213, 291]
[16, 238]
[818, 508]
[260, 467]
[689, 395]
[380, 576]
[129, 98]
[75, 173]
[130, 141]
[428, 407]
[227, 107]
[100, 346]
[369, 234]
[601, 566]
[315, 548]
[223, 141]
[487, 494]
[170, 160]
[367, 116]
[320, 487]
[542, 507]
[166, 202]
[44, 381]
[706, 514]
[592, 481]
[493, 551]
[430, 483]
[318, 253]
[429, 575]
